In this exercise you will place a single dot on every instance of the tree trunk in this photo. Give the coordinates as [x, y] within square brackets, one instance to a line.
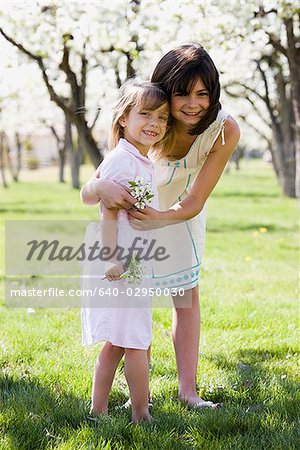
[74, 156]
[14, 167]
[237, 156]
[283, 162]
[75, 167]
[297, 161]
[274, 160]
[296, 110]
[10, 163]
[61, 162]
[19, 155]
[289, 166]
[2, 151]
[88, 143]
[293, 55]
[62, 150]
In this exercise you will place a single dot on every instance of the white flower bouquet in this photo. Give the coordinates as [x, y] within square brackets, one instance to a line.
[134, 272]
[142, 192]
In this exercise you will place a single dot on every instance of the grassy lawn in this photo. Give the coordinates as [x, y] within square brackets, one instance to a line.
[248, 355]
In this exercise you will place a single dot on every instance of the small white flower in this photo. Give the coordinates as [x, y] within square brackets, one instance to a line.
[141, 192]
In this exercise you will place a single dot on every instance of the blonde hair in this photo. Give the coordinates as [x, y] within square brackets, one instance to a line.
[139, 94]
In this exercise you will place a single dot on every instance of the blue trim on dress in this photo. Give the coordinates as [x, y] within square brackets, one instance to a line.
[175, 273]
[195, 250]
[171, 278]
[188, 181]
[172, 175]
[194, 246]
[162, 286]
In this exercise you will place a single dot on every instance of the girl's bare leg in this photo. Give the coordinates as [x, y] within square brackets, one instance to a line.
[149, 354]
[186, 335]
[149, 359]
[137, 376]
[105, 369]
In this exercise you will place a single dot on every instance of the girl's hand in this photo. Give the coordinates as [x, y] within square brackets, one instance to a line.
[146, 219]
[113, 195]
[114, 272]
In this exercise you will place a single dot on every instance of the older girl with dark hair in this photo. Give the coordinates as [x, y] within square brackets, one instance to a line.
[187, 169]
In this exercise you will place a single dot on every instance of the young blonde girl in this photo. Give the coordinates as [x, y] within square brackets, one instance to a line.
[122, 320]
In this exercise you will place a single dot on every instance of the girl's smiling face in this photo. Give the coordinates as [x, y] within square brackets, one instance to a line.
[144, 127]
[188, 107]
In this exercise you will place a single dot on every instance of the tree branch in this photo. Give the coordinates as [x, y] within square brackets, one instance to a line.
[95, 118]
[255, 108]
[84, 63]
[66, 68]
[248, 88]
[267, 97]
[276, 43]
[104, 50]
[37, 58]
[80, 122]
[117, 73]
[53, 95]
[54, 132]
[273, 40]
[257, 130]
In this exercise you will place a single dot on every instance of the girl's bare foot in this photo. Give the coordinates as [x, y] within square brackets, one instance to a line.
[96, 416]
[98, 412]
[196, 402]
[142, 418]
[190, 398]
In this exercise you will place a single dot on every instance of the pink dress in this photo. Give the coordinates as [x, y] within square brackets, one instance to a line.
[117, 311]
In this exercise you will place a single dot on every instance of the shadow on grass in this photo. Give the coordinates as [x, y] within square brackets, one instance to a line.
[33, 414]
[258, 388]
[259, 409]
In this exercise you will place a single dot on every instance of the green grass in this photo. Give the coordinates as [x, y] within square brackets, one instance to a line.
[248, 355]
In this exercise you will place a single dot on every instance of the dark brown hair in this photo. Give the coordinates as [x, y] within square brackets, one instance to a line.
[179, 70]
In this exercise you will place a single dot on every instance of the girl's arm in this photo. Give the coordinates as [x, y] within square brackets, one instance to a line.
[208, 176]
[109, 239]
[204, 184]
[89, 194]
[109, 227]
[113, 195]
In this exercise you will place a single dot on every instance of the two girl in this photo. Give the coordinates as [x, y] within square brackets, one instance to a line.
[123, 321]
[187, 171]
